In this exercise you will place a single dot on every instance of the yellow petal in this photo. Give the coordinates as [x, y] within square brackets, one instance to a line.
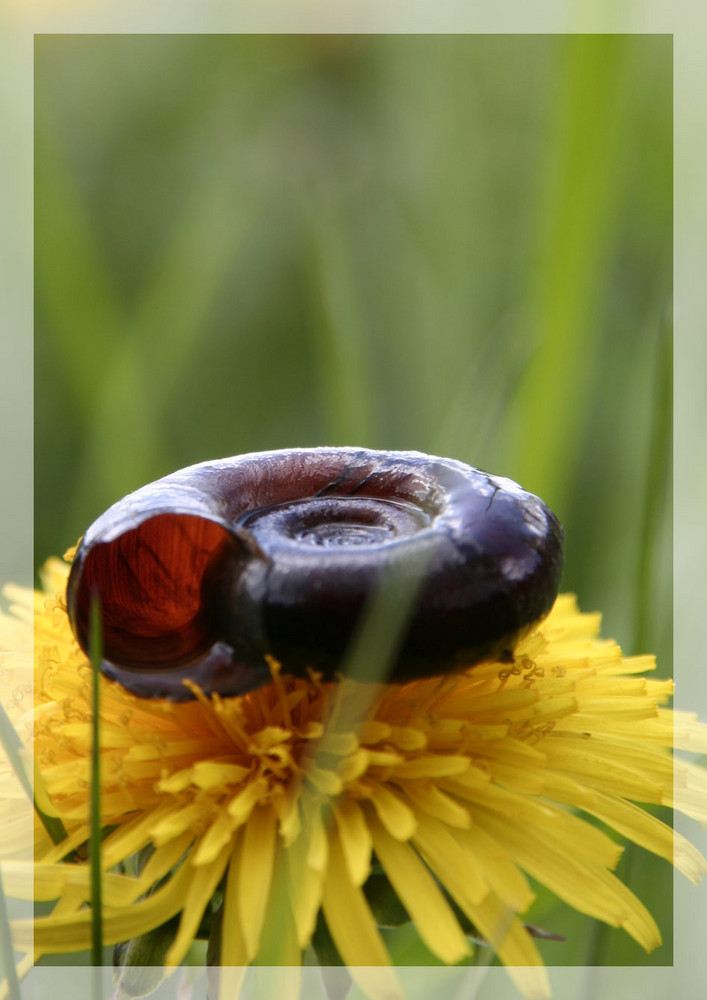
[438, 766]
[131, 836]
[373, 731]
[527, 781]
[324, 780]
[430, 798]
[588, 842]
[72, 931]
[177, 822]
[640, 924]
[354, 931]
[420, 895]
[452, 865]
[513, 751]
[164, 858]
[688, 792]
[24, 880]
[487, 707]
[397, 817]
[199, 891]
[216, 774]
[287, 806]
[243, 802]
[354, 766]
[615, 769]
[255, 873]
[636, 824]
[219, 833]
[585, 886]
[408, 738]
[355, 838]
[631, 665]
[688, 732]
[505, 878]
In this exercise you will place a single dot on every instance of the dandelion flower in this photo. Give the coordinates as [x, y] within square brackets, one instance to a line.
[461, 787]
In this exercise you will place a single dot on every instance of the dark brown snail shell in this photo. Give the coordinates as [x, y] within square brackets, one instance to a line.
[201, 574]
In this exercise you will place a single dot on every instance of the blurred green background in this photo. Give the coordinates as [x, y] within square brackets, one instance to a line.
[457, 244]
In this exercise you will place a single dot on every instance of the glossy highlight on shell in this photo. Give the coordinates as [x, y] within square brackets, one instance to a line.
[203, 574]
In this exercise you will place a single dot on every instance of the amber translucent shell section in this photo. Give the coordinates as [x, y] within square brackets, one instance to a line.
[148, 584]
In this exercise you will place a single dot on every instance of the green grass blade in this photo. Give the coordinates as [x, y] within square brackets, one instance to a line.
[96, 653]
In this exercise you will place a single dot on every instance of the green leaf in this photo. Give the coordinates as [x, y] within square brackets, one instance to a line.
[141, 962]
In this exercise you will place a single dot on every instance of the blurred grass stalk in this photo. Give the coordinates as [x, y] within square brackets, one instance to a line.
[339, 341]
[658, 467]
[545, 414]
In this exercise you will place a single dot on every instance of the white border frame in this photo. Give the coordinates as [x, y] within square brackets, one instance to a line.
[20, 20]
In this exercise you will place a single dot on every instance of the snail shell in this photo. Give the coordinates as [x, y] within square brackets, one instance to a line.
[201, 574]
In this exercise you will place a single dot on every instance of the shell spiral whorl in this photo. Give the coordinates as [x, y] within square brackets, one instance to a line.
[201, 574]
